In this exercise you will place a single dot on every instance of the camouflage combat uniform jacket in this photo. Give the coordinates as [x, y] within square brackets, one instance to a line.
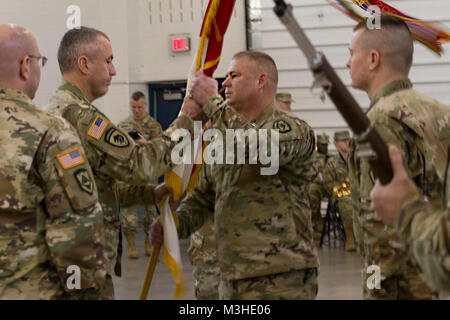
[50, 217]
[335, 174]
[202, 250]
[418, 126]
[262, 222]
[148, 127]
[113, 155]
[426, 231]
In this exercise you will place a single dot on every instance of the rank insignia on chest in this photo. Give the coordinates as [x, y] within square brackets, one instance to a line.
[70, 158]
[84, 181]
[282, 126]
[116, 138]
[98, 127]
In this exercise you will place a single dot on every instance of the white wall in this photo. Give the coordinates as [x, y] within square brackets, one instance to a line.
[141, 52]
[151, 23]
[331, 31]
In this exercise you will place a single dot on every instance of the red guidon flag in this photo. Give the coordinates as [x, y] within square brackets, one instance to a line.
[183, 178]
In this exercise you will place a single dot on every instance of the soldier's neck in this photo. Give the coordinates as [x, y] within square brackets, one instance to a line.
[82, 85]
[380, 82]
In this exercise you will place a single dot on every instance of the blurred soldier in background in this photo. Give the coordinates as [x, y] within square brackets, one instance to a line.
[337, 185]
[316, 189]
[284, 101]
[147, 128]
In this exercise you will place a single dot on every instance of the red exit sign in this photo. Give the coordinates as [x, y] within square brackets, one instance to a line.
[180, 44]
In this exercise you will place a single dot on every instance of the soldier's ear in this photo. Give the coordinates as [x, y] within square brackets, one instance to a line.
[83, 64]
[374, 59]
[25, 70]
[262, 80]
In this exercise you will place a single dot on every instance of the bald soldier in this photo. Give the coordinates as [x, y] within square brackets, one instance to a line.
[316, 189]
[85, 59]
[337, 185]
[148, 128]
[425, 230]
[284, 101]
[418, 126]
[262, 222]
[51, 223]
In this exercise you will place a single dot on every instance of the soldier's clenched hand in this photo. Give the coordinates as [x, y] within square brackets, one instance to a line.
[203, 88]
[161, 190]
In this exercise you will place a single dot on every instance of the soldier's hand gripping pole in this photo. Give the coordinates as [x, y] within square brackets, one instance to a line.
[324, 74]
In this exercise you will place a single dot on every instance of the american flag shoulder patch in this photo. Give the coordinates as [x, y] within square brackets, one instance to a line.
[97, 128]
[70, 159]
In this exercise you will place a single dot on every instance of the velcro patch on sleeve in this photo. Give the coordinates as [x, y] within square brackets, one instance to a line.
[70, 158]
[98, 127]
[84, 180]
[282, 126]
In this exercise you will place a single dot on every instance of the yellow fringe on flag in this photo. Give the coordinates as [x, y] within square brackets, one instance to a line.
[210, 19]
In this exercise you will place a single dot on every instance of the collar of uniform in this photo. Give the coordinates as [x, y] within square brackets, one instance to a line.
[67, 86]
[15, 95]
[143, 120]
[389, 89]
[259, 122]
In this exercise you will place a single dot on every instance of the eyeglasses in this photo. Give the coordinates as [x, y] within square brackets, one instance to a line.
[44, 59]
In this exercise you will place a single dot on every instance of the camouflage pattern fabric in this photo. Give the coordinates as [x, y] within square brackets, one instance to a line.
[202, 250]
[418, 126]
[262, 222]
[50, 217]
[149, 128]
[113, 155]
[336, 183]
[316, 189]
[426, 231]
[297, 285]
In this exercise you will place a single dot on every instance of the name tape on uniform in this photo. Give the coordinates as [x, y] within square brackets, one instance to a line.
[70, 158]
[98, 127]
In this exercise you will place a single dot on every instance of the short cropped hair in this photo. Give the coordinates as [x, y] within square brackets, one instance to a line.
[264, 60]
[394, 39]
[74, 44]
[137, 95]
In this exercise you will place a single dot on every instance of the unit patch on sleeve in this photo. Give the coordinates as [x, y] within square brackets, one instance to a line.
[70, 158]
[282, 126]
[98, 127]
[84, 180]
[116, 138]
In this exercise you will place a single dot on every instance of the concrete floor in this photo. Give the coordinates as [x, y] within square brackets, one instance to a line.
[339, 279]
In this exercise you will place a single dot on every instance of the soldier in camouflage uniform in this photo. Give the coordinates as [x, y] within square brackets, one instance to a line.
[111, 152]
[202, 250]
[148, 128]
[316, 189]
[50, 217]
[263, 223]
[424, 229]
[284, 101]
[405, 118]
[337, 185]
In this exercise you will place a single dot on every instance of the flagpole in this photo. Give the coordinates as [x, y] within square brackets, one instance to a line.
[150, 272]
[209, 25]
